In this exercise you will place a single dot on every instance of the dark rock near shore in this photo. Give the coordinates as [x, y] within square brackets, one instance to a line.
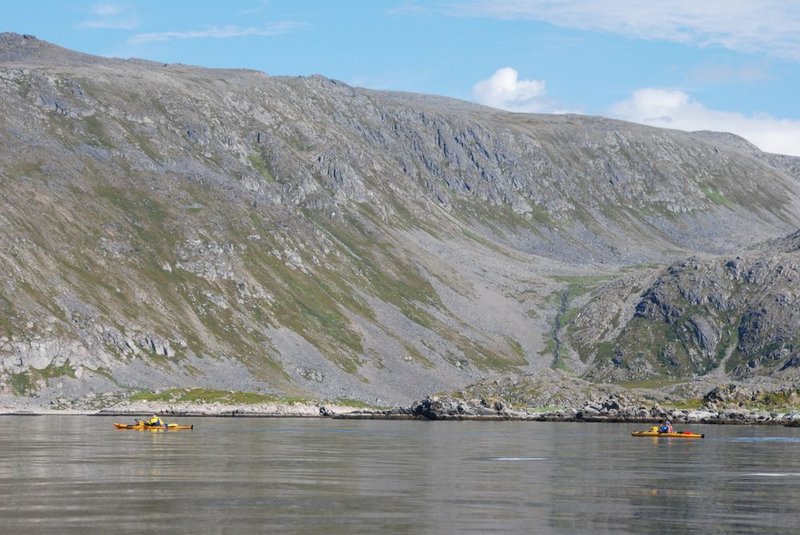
[447, 408]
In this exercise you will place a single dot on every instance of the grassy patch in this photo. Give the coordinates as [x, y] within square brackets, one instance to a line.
[650, 383]
[259, 163]
[104, 372]
[7, 314]
[150, 214]
[225, 397]
[549, 347]
[577, 286]
[416, 355]
[561, 364]
[500, 218]
[557, 344]
[604, 352]
[98, 136]
[780, 398]
[25, 383]
[487, 359]
[368, 262]
[729, 341]
[516, 348]
[310, 306]
[716, 196]
[686, 404]
[356, 404]
[568, 316]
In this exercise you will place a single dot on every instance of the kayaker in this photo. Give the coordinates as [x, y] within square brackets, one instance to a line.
[155, 421]
[665, 427]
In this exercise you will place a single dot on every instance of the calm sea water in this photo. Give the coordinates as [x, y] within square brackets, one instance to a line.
[75, 474]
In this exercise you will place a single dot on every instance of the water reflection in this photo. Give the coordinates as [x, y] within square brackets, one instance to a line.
[78, 474]
[513, 459]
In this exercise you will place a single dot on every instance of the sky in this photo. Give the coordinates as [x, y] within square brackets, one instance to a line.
[724, 65]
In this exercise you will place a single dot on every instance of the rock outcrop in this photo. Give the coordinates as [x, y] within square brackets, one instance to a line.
[736, 316]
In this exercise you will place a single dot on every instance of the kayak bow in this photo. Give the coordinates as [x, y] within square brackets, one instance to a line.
[141, 427]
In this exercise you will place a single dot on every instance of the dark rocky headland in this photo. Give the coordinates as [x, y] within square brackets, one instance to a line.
[192, 240]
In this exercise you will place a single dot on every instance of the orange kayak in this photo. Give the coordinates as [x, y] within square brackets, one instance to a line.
[676, 434]
[141, 427]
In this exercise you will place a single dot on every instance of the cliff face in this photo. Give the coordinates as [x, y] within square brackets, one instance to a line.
[173, 226]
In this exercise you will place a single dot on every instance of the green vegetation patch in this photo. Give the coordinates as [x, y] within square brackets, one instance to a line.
[225, 397]
[686, 404]
[310, 306]
[501, 218]
[357, 404]
[516, 348]
[148, 215]
[7, 315]
[646, 347]
[567, 317]
[259, 163]
[577, 287]
[25, 383]
[780, 398]
[580, 285]
[416, 355]
[487, 359]
[716, 196]
[650, 383]
[315, 305]
[98, 136]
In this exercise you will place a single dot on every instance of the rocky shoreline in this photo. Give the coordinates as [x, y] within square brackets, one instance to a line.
[720, 407]
[608, 410]
[548, 396]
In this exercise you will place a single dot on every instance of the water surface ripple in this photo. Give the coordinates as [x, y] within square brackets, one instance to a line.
[76, 474]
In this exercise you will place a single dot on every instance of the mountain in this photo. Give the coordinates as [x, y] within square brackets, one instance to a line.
[170, 226]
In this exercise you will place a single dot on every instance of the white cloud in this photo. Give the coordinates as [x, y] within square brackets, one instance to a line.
[110, 17]
[107, 10]
[670, 108]
[709, 73]
[221, 32]
[770, 27]
[410, 7]
[506, 91]
[118, 24]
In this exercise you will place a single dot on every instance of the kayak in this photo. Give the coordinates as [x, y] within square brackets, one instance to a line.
[141, 427]
[676, 434]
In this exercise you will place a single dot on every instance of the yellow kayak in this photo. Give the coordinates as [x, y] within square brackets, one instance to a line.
[653, 432]
[141, 427]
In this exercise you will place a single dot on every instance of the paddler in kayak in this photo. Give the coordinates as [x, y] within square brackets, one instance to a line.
[665, 427]
[155, 421]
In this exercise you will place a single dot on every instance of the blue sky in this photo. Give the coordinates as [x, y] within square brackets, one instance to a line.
[730, 65]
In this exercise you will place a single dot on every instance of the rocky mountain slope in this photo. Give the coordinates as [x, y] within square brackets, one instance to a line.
[169, 226]
[735, 315]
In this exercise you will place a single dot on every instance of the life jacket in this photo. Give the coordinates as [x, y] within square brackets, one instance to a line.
[155, 420]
